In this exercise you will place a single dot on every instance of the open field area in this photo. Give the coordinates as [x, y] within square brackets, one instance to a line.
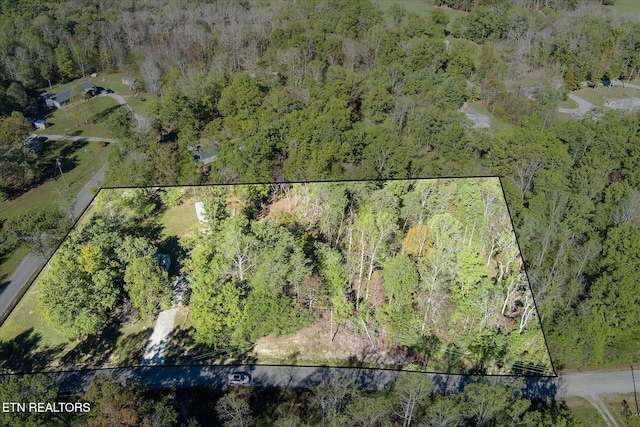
[600, 95]
[626, 6]
[86, 119]
[585, 412]
[616, 404]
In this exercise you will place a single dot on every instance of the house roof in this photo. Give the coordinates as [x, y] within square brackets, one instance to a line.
[62, 97]
[88, 85]
[65, 95]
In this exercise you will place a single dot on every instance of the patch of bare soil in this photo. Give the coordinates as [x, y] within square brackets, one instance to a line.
[286, 205]
[313, 346]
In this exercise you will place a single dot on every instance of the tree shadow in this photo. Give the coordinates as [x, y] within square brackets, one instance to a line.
[24, 353]
[49, 168]
[181, 347]
[98, 117]
[94, 350]
[171, 246]
[541, 387]
[152, 230]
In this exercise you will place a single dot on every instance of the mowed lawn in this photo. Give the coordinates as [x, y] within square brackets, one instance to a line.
[79, 162]
[71, 119]
[88, 118]
[584, 411]
[624, 6]
[601, 94]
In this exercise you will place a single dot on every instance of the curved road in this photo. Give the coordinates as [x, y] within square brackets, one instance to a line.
[583, 107]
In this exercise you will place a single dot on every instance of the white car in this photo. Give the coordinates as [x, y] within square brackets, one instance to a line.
[239, 378]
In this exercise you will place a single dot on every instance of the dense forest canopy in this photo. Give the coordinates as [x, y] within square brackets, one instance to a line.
[313, 90]
[414, 269]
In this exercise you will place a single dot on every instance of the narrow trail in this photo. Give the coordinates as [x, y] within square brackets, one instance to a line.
[602, 409]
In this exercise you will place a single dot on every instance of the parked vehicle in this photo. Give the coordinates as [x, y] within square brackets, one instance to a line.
[239, 378]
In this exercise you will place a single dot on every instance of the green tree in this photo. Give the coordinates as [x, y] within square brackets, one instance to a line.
[39, 230]
[76, 302]
[614, 295]
[410, 393]
[490, 404]
[65, 62]
[118, 403]
[25, 389]
[147, 286]
[400, 279]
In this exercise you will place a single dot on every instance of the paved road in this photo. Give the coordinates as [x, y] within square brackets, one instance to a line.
[583, 107]
[582, 385]
[17, 280]
[85, 195]
[617, 82]
[32, 263]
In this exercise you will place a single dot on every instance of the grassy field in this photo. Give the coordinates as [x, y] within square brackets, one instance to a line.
[625, 6]
[139, 103]
[79, 162]
[178, 220]
[568, 103]
[70, 120]
[600, 94]
[113, 81]
[585, 412]
[614, 402]
[105, 81]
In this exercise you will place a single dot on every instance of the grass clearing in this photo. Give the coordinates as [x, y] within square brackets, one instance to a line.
[139, 103]
[568, 103]
[61, 120]
[585, 412]
[70, 120]
[179, 220]
[600, 94]
[614, 403]
[79, 162]
[626, 6]
[111, 81]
